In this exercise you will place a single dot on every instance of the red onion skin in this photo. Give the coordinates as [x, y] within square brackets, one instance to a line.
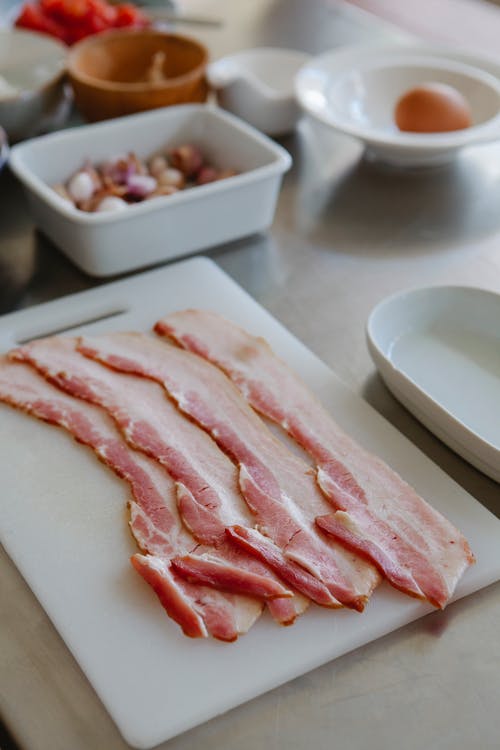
[131, 180]
[188, 159]
[140, 186]
[206, 175]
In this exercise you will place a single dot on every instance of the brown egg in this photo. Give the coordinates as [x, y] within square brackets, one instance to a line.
[432, 108]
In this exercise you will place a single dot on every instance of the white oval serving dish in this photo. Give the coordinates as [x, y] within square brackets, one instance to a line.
[167, 227]
[438, 351]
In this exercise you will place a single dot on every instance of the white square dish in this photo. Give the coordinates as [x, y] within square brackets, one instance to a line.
[102, 244]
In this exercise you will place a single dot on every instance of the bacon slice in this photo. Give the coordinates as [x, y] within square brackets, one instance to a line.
[206, 488]
[158, 575]
[376, 512]
[265, 550]
[277, 485]
[226, 577]
[154, 522]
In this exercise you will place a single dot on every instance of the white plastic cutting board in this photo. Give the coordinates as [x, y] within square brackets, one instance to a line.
[63, 523]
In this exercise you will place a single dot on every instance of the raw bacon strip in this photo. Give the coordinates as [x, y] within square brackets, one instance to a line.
[226, 577]
[152, 490]
[206, 481]
[159, 576]
[377, 513]
[154, 520]
[223, 618]
[265, 550]
[262, 548]
[277, 485]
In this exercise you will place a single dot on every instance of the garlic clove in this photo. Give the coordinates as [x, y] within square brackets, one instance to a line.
[112, 204]
[81, 187]
[171, 176]
[157, 165]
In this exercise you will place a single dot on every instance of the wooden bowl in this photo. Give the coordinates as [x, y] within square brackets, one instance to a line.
[120, 72]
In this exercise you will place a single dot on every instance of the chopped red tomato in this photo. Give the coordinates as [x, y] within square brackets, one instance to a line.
[128, 15]
[72, 20]
[32, 17]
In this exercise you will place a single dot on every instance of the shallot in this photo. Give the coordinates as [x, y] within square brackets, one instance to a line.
[125, 179]
[139, 186]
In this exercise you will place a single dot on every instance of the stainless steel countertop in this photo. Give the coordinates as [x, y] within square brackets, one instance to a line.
[347, 233]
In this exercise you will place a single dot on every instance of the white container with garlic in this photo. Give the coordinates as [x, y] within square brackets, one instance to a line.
[112, 241]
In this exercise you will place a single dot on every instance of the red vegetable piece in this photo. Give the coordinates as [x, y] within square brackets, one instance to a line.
[32, 17]
[104, 11]
[72, 20]
[130, 15]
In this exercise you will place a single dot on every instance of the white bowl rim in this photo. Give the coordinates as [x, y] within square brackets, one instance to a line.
[405, 53]
[258, 51]
[267, 91]
[30, 93]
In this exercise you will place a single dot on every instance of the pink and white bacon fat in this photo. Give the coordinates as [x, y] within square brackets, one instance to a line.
[376, 512]
[154, 521]
[277, 485]
[206, 492]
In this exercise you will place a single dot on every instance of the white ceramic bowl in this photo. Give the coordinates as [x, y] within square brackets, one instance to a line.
[438, 351]
[258, 86]
[169, 226]
[355, 90]
[32, 65]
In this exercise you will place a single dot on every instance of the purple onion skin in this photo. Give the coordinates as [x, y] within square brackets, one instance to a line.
[120, 171]
[140, 186]
[206, 175]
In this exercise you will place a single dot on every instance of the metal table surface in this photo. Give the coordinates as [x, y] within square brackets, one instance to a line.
[347, 233]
